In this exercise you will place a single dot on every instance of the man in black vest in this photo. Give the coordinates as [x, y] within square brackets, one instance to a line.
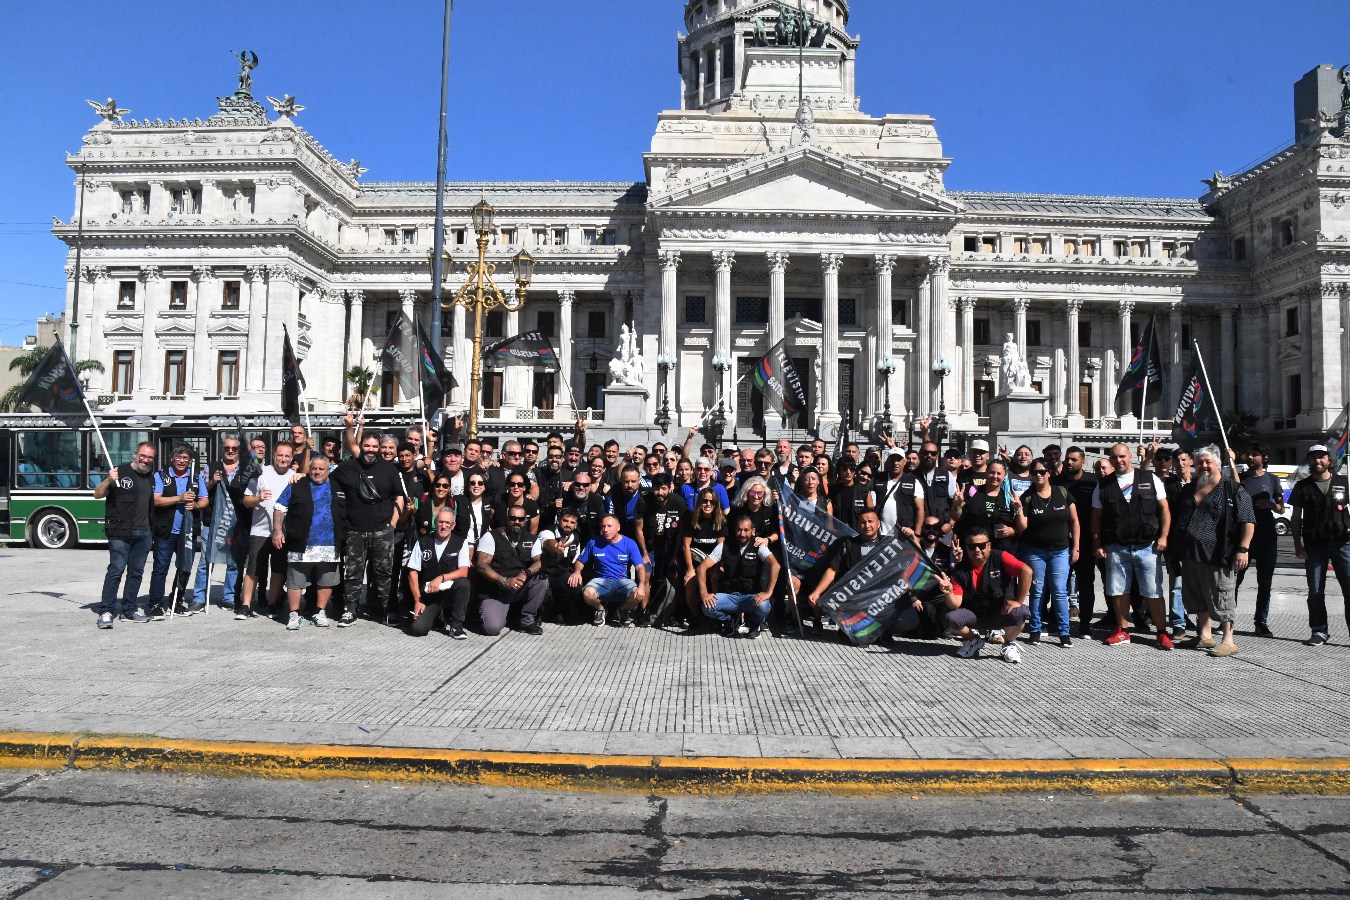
[1321, 526]
[307, 524]
[438, 576]
[940, 483]
[180, 493]
[130, 491]
[558, 550]
[746, 575]
[977, 596]
[588, 505]
[899, 498]
[1130, 521]
[506, 563]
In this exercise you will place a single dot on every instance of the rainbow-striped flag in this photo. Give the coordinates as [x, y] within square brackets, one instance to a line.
[1340, 444]
[778, 381]
[867, 599]
[531, 349]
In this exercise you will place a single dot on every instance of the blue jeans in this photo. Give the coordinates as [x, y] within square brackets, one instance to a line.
[728, 605]
[166, 550]
[129, 557]
[238, 554]
[1316, 567]
[1049, 572]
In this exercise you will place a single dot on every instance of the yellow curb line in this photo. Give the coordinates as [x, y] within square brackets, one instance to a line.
[698, 775]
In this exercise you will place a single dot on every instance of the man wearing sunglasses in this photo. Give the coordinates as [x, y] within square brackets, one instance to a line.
[438, 576]
[234, 471]
[588, 505]
[515, 497]
[549, 486]
[507, 564]
[977, 596]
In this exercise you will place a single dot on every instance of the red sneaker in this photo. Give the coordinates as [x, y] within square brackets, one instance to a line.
[1164, 642]
[1119, 636]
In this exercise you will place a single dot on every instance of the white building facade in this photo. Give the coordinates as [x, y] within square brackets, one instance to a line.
[761, 219]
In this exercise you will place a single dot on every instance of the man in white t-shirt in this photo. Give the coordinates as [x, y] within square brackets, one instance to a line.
[261, 496]
[438, 577]
[1130, 519]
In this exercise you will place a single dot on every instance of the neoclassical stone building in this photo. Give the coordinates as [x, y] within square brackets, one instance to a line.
[761, 218]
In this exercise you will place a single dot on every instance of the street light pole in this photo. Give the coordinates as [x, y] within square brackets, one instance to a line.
[666, 363]
[941, 369]
[481, 294]
[886, 368]
[721, 362]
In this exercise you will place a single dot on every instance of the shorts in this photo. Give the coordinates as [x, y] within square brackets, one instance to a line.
[260, 552]
[612, 590]
[1130, 566]
[1209, 589]
[300, 575]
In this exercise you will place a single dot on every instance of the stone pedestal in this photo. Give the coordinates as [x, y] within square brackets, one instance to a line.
[1019, 418]
[626, 419]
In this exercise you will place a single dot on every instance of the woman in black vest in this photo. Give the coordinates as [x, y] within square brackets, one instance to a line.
[1049, 527]
[437, 499]
[991, 507]
[705, 529]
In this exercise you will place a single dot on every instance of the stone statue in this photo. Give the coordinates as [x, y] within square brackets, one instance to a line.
[108, 112]
[761, 33]
[248, 61]
[1015, 374]
[1345, 90]
[286, 107]
[626, 368]
[787, 26]
[1219, 182]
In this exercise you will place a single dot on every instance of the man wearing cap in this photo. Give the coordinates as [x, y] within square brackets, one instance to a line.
[452, 467]
[1321, 529]
[972, 479]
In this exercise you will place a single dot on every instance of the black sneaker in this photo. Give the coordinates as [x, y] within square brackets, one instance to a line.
[532, 628]
[155, 613]
[598, 618]
[348, 618]
[105, 620]
[1317, 639]
[1263, 629]
[1033, 637]
[242, 611]
[1065, 640]
[756, 630]
[728, 629]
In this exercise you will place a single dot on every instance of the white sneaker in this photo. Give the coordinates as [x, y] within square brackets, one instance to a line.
[1012, 653]
[970, 648]
[321, 619]
[293, 623]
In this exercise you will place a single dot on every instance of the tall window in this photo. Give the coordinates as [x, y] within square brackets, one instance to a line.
[1295, 395]
[175, 372]
[544, 390]
[409, 236]
[178, 294]
[595, 324]
[1291, 321]
[126, 295]
[185, 201]
[388, 389]
[495, 324]
[899, 312]
[806, 307]
[752, 310]
[230, 297]
[696, 310]
[493, 390]
[124, 371]
[848, 311]
[1085, 334]
[546, 321]
[391, 237]
[1034, 333]
[227, 374]
[982, 331]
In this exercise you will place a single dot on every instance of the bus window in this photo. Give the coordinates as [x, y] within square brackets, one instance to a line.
[48, 459]
[122, 446]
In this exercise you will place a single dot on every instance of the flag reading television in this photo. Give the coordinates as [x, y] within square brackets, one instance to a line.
[292, 382]
[54, 387]
[778, 381]
[400, 354]
[529, 349]
[1195, 410]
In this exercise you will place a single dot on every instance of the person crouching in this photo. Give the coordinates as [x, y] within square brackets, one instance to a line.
[977, 600]
[746, 574]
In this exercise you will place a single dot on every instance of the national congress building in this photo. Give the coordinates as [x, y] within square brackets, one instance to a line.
[760, 219]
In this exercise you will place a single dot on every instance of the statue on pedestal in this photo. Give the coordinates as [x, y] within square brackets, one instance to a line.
[625, 369]
[1016, 377]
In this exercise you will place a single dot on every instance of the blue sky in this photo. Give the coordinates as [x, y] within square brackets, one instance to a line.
[1143, 98]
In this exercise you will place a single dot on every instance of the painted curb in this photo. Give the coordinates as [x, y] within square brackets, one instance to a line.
[673, 774]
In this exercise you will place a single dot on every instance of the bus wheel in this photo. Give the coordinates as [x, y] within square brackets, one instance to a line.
[52, 529]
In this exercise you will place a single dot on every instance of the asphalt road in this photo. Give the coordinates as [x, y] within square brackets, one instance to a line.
[70, 835]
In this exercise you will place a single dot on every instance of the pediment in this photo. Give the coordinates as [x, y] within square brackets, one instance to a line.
[175, 327]
[123, 326]
[229, 326]
[805, 180]
[800, 326]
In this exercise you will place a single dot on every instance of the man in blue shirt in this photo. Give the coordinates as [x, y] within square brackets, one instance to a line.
[178, 495]
[612, 556]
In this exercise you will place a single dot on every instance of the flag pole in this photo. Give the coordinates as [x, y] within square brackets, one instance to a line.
[787, 565]
[98, 433]
[1223, 433]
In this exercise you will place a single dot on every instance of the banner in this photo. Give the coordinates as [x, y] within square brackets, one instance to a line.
[1144, 371]
[54, 386]
[863, 600]
[808, 533]
[224, 518]
[400, 354]
[1339, 444]
[435, 379]
[292, 382]
[529, 349]
[1195, 410]
[777, 380]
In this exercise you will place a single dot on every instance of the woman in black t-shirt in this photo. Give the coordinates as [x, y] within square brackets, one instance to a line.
[704, 530]
[437, 499]
[1049, 527]
[753, 501]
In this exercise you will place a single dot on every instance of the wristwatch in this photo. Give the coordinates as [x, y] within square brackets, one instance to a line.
[1242, 550]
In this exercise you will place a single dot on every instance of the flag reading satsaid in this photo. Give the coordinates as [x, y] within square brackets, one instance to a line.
[1195, 409]
[864, 600]
[54, 386]
[529, 349]
[400, 354]
[809, 533]
[778, 381]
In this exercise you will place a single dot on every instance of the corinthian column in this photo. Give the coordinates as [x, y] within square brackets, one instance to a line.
[150, 305]
[944, 315]
[777, 275]
[565, 300]
[966, 375]
[722, 261]
[204, 279]
[1073, 378]
[253, 352]
[923, 347]
[670, 299]
[1227, 356]
[829, 342]
[1126, 351]
[1020, 305]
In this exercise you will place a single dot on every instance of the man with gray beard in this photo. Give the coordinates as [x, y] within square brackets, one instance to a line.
[130, 491]
[1212, 540]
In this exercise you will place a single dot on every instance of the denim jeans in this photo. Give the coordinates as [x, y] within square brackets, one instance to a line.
[170, 550]
[1316, 567]
[238, 555]
[728, 605]
[1049, 573]
[129, 557]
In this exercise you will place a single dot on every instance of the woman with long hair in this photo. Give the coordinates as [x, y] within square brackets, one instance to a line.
[823, 467]
[991, 506]
[437, 499]
[753, 501]
[703, 531]
[684, 473]
[1049, 529]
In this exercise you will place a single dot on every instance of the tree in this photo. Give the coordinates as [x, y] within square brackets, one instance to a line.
[28, 361]
[1240, 427]
[360, 378]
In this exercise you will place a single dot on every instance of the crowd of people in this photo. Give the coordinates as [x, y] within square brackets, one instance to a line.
[400, 531]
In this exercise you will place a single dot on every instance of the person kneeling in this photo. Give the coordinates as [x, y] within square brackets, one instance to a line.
[507, 565]
[438, 576]
[976, 596]
[745, 573]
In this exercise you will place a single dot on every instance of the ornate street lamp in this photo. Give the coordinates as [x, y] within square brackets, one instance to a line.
[721, 362]
[886, 367]
[939, 431]
[481, 295]
[665, 362]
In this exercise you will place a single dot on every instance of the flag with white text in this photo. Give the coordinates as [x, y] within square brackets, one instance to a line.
[809, 534]
[778, 381]
[529, 349]
[54, 387]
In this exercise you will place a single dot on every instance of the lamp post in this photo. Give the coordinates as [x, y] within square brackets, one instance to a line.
[666, 363]
[941, 369]
[721, 362]
[886, 368]
[481, 294]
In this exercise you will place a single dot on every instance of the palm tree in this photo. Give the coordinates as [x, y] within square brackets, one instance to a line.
[1240, 427]
[360, 378]
[28, 361]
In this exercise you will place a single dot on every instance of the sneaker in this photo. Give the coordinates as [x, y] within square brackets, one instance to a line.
[728, 629]
[1224, 649]
[1318, 638]
[754, 632]
[599, 618]
[321, 619]
[458, 633]
[1177, 631]
[136, 616]
[532, 628]
[105, 620]
[1065, 640]
[1012, 653]
[626, 620]
[156, 614]
[1164, 642]
[1119, 636]
[195, 608]
[293, 622]
[181, 609]
[1033, 637]
[348, 618]
[1263, 629]
[242, 612]
[970, 648]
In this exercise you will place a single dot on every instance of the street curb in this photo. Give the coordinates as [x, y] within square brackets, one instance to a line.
[674, 774]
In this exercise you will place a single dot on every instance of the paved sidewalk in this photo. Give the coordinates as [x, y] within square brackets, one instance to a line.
[645, 692]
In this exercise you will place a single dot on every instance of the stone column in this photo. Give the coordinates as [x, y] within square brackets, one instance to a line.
[1073, 379]
[944, 315]
[1126, 350]
[923, 355]
[1175, 353]
[356, 355]
[777, 290]
[1228, 357]
[966, 374]
[151, 280]
[1275, 384]
[670, 300]
[1308, 339]
[281, 282]
[204, 297]
[717, 71]
[102, 297]
[254, 360]
[565, 301]
[463, 359]
[1344, 303]
[1328, 396]
[1020, 305]
[722, 262]
[829, 355]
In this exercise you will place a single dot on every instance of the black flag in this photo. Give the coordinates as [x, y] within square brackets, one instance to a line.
[435, 378]
[1144, 370]
[1195, 410]
[54, 386]
[529, 349]
[777, 380]
[400, 354]
[292, 382]
[863, 600]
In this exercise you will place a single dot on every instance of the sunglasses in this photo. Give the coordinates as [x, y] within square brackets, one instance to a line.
[510, 453]
[981, 546]
[519, 484]
[476, 483]
[515, 518]
[581, 484]
[231, 449]
[706, 502]
[1038, 472]
[441, 487]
